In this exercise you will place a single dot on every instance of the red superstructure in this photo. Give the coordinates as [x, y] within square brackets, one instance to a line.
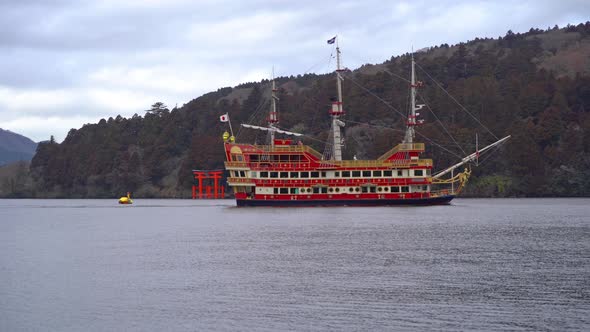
[293, 174]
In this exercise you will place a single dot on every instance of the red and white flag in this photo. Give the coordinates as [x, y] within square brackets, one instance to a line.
[224, 118]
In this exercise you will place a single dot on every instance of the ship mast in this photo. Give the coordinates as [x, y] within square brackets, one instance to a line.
[336, 111]
[273, 118]
[411, 123]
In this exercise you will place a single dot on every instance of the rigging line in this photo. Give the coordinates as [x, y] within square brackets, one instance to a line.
[370, 125]
[319, 63]
[313, 138]
[254, 114]
[442, 125]
[417, 132]
[455, 100]
[397, 76]
[491, 152]
[376, 65]
[374, 95]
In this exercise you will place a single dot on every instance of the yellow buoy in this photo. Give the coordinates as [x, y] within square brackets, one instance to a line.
[126, 199]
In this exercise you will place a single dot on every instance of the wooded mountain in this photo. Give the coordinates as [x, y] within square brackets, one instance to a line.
[534, 86]
[15, 147]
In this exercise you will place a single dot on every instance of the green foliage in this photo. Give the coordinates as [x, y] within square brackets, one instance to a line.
[497, 80]
[489, 186]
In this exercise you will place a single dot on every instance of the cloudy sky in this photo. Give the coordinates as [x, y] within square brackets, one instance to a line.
[64, 63]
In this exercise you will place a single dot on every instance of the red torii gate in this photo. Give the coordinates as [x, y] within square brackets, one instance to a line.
[216, 191]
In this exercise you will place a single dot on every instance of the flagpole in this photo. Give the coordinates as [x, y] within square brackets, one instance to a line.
[230, 128]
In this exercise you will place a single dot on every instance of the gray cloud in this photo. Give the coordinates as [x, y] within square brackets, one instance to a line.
[72, 62]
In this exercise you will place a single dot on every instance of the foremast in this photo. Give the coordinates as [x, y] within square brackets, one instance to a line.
[273, 118]
[411, 123]
[336, 111]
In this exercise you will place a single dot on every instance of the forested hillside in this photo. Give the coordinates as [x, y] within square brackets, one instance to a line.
[534, 86]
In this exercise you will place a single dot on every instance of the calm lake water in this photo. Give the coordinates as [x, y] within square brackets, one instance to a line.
[177, 265]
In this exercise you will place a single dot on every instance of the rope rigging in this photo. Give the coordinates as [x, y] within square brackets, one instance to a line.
[350, 77]
[441, 123]
[455, 100]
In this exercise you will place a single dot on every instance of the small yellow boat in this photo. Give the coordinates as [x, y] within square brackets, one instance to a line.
[126, 199]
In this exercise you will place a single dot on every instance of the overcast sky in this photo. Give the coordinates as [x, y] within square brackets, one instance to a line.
[66, 63]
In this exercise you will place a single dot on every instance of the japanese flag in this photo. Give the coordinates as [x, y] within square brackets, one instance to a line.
[224, 118]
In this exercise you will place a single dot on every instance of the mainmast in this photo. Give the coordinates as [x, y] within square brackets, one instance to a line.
[411, 123]
[336, 110]
[273, 118]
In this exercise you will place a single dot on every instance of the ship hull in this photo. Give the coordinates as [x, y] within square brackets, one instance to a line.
[440, 200]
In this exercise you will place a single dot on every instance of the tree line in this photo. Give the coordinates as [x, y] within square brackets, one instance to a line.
[511, 85]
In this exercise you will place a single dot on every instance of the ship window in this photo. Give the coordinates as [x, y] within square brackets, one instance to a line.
[324, 190]
[284, 190]
[345, 174]
[337, 190]
[263, 174]
[293, 190]
[284, 158]
[356, 174]
[428, 171]
[302, 190]
[377, 174]
[304, 174]
[418, 172]
[315, 174]
[366, 174]
[365, 189]
[274, 175]
[323, 174]
[425, 188]
[351, 189]
[337, 174]
[254, 158]
[242, 174]
[331, 190]
[379, 189]
[275, 190]
[399, 173]
[316, 190]
[357, 189]
[294, 175]
[284, 175]
[372, 189]
[308, 190]
[252, 174]
[395, 189]
[387, 173]
[405, 189]
[386, 189]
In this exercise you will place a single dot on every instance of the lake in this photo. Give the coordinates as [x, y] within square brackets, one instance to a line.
[206, 265]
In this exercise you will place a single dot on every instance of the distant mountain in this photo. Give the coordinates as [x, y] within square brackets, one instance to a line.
[15, 147]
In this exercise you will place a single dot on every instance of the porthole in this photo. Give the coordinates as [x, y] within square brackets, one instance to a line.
[337, 190]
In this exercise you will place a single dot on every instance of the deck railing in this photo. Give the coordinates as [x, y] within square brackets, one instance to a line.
[327, 165]
[402, 147]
